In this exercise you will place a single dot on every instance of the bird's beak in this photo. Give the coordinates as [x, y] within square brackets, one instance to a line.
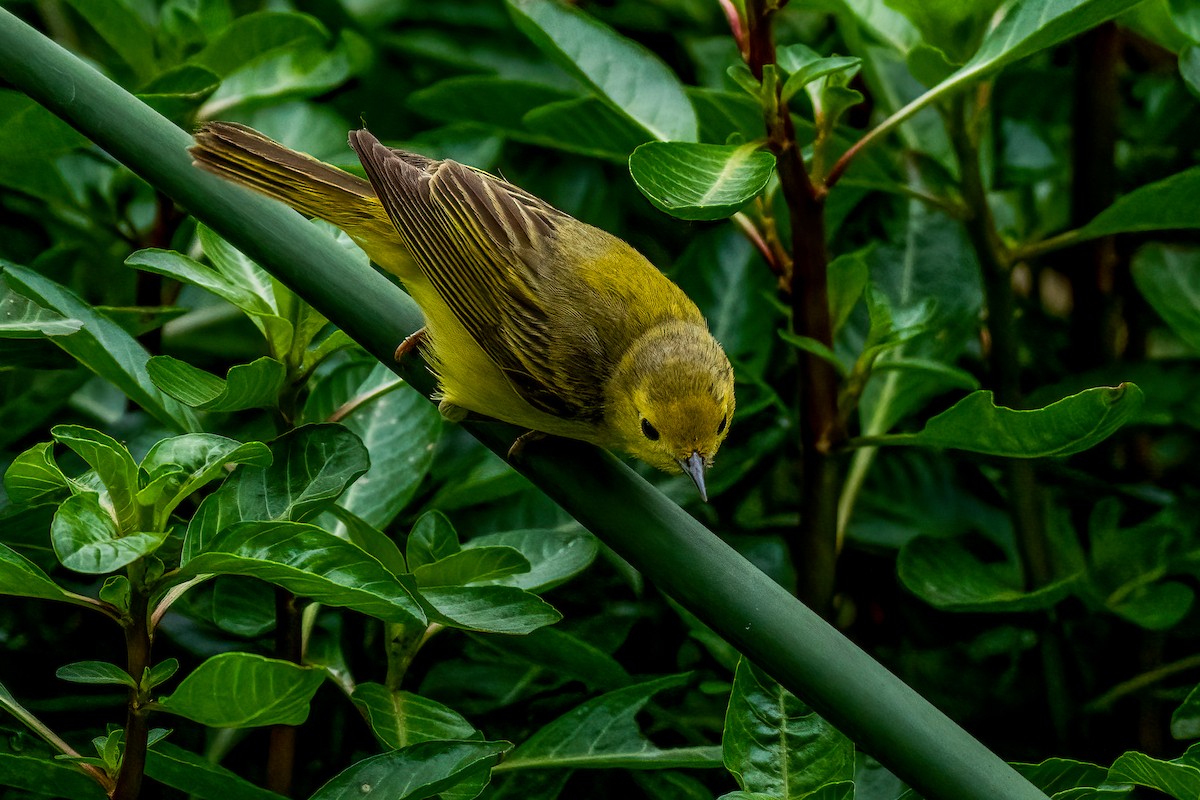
[693, 465]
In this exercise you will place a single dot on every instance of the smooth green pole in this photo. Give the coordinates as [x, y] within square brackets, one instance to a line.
[846, 686]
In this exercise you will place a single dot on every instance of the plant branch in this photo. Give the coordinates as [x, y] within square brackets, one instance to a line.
[26, 717]
[137, 724]
[916, 741]
[289, 646]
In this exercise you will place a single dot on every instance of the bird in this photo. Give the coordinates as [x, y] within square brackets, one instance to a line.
[531, 316]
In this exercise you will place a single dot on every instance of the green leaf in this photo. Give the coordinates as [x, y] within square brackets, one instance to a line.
[34, 476]
[417, 771]
[1181, 781]
[87, 539]
[245, 289]
[312, 465]
[847, 280]
[397, 425]
[102, 346]
[1025, 29]
[554, 556]
[1156, 606]
[248, 37]
[805, 65]
[1056, 775]
[310, 562]
[370, 540]
[602, 733]
[43, 776]
[1068, 426]
[400, 718]
[113, 465]
[122, 29]
[21, 318]
[243, 690]
[1162, 205]
[473, 565]
[631, 78]
[193, 460]
[566, 655]
[1185, 721]
[20, 577]
[943, 573]
[1169, 278]
[489, 609]
[243, 606]
[1189, 69]
[499, 103]
[253, 385]
[432, 538]
[818, 349]
[198, 777]
[700, 181]
[95, 672]
[954, 26]
[774, 744]
[179, 91]
[161, 672]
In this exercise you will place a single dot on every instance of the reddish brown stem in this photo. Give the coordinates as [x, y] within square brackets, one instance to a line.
[289, 645]
[137, 723]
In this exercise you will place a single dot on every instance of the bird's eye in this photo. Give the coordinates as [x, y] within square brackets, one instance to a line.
[721, 427]
[649, 431]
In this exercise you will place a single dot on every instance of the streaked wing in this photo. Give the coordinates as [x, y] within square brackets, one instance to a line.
[484, 245]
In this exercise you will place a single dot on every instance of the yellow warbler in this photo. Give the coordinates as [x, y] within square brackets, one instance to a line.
[531, 317]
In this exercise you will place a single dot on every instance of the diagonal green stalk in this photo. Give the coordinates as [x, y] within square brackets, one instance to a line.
[883, 715]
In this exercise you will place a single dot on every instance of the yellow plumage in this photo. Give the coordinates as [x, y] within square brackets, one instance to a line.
[532, 317]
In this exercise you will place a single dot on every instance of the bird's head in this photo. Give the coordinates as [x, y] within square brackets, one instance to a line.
[675, 403]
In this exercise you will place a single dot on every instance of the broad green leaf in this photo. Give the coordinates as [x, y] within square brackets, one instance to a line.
[1162, 205]
[602, 732]
[1068, 426]
[489, 609]
[1186, 16]
[420, 770]
[34, 476]
[432, 538]
[370, 540]
[243, 690]
[566, 655]
[122, 29]
[398, 427]
[700, 181]
[848, 275]
[805, 65]
[21, 318]
[305, 69]
[113, 465]
[1189, 69]
[400, 718]
[312, 465]
[240, 292]
[1185, 721]
[43, 776]
[103, 346]
[87, 539]
[243, 606]
[630, 77]
[253, 385]
[161, 672]
[1169, 279]
[954, 26]
[20, 577]
[473, 565]
[193, 460]
[1056, 775]
[309, 562]
[775, 744]
[198, 777]
[31, 139]
[585, 125]
[249, 36]
[1181, 781]
[554, 556]
[943, 573]
[1155, 606]
[1026, 28]
[497, 102]
[178, 92]
[97, 672]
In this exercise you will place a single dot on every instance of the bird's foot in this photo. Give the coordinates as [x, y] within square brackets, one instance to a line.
[525, 438]
[409, 344]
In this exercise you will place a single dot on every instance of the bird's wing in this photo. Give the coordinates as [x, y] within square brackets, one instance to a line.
[485, 245]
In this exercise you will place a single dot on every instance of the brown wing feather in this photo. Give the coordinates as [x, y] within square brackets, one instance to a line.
[487, 247]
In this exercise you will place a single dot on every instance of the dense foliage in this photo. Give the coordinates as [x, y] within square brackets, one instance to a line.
[945, 245]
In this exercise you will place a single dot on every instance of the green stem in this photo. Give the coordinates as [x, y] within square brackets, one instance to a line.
[26, 717]
[887, 719]
[137, 724]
